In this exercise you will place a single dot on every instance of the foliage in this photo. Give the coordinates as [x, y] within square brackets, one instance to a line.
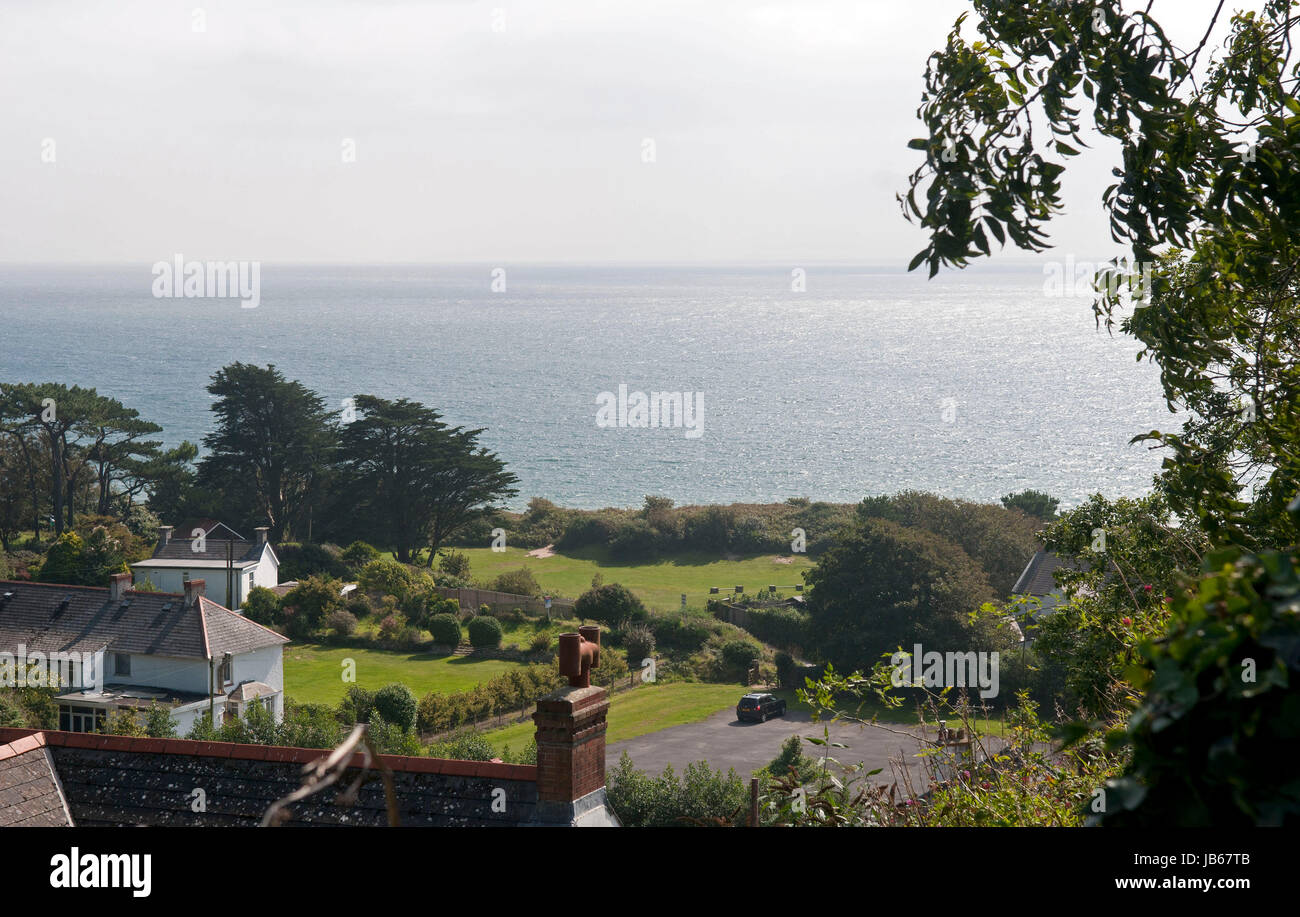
[439, 712]
[700, 796]
[356, 555]
[454, 565]
[445, 629]
[468, 746]
[159, 722]
[611, 604]
[386, 577]
[517, 582]
[299, 561]
[343, 623]
[884, 586]
[269, 447]
[396, 704]
[1204, 198]
[484, 630]
[263, 606]
[308, 604]
[639, 642]
[1033, 503]
[1220, 715]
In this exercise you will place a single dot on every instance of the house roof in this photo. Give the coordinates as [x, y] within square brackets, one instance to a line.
[179, 549]
[127, 780]
[1038, 576]
[48, 617]
[30, 794]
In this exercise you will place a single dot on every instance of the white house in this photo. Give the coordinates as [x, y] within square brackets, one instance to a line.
[117, 648]
[230, 564]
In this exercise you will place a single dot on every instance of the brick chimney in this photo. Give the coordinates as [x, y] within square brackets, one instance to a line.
[571, 752]
[261, 531]
[118, 583]
[193, 589]
[164, 535]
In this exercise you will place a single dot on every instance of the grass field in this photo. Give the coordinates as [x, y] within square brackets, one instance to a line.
[646, 709]
[659, 585]
[313, 673]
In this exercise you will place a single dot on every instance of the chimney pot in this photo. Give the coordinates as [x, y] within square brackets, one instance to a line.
[193, 589]
[262, 531]
[118, 583]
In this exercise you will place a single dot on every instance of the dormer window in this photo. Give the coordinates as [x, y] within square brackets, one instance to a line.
[121, 663]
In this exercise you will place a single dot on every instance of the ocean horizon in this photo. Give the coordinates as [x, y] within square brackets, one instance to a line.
[840, 383]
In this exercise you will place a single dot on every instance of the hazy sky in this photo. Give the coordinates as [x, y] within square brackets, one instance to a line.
[491, 131]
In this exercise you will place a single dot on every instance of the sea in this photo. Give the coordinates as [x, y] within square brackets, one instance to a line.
[831, 382]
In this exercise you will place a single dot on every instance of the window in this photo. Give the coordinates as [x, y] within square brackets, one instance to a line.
[121, 663]
[227, 672]
[81, 719]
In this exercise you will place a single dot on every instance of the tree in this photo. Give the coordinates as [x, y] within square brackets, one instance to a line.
[396, 704]
[416, 480]
[271, 447]
[883, 586]
[1206, 201]
[610, 604]
[1033, 503]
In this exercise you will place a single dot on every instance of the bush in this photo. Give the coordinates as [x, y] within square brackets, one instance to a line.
[639, 641]
[391, 627]
[467, 747]
[262, 605]
[357, 555]
[357, 704]
[740, 654]
[445, 629]
[299, 561]
[484, 631]
[454, 565]
[396, 704]
[683, 634]
[385, 577]
[701, 796]
[611, 605]
[517, 582]
[343, 623]
[541, 642]
[311, 601]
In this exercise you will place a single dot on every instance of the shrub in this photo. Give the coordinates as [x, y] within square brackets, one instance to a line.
[357, 555]
[541, 642]
[445, 629]
[612, 604]
[391, 627]
[311, 601]
[299, 561]
[357, 704]
[702, 795]
[739, 654]
[385, 577]
[396, 704]
[484, 630]
[343, 623]
[639, 641]
[517, 582]
[467, 747]
[454, 565]
[263, 606]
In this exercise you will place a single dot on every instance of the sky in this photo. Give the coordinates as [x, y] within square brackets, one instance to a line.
[497, 132]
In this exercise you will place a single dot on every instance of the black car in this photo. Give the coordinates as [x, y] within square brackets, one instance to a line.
[759, 707]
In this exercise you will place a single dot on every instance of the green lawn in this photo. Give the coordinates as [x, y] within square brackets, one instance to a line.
[659, 585]
[313, 673]
[643, 710]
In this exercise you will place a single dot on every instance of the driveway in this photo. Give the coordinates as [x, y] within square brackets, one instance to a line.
[725, 743]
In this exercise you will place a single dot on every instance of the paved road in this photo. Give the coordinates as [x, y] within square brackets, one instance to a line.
[725, 742]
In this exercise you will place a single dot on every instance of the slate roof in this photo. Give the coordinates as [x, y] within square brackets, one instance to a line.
[30, 795]
[124, 780]
[1037, 578]
[37, 616]
[216, 536]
